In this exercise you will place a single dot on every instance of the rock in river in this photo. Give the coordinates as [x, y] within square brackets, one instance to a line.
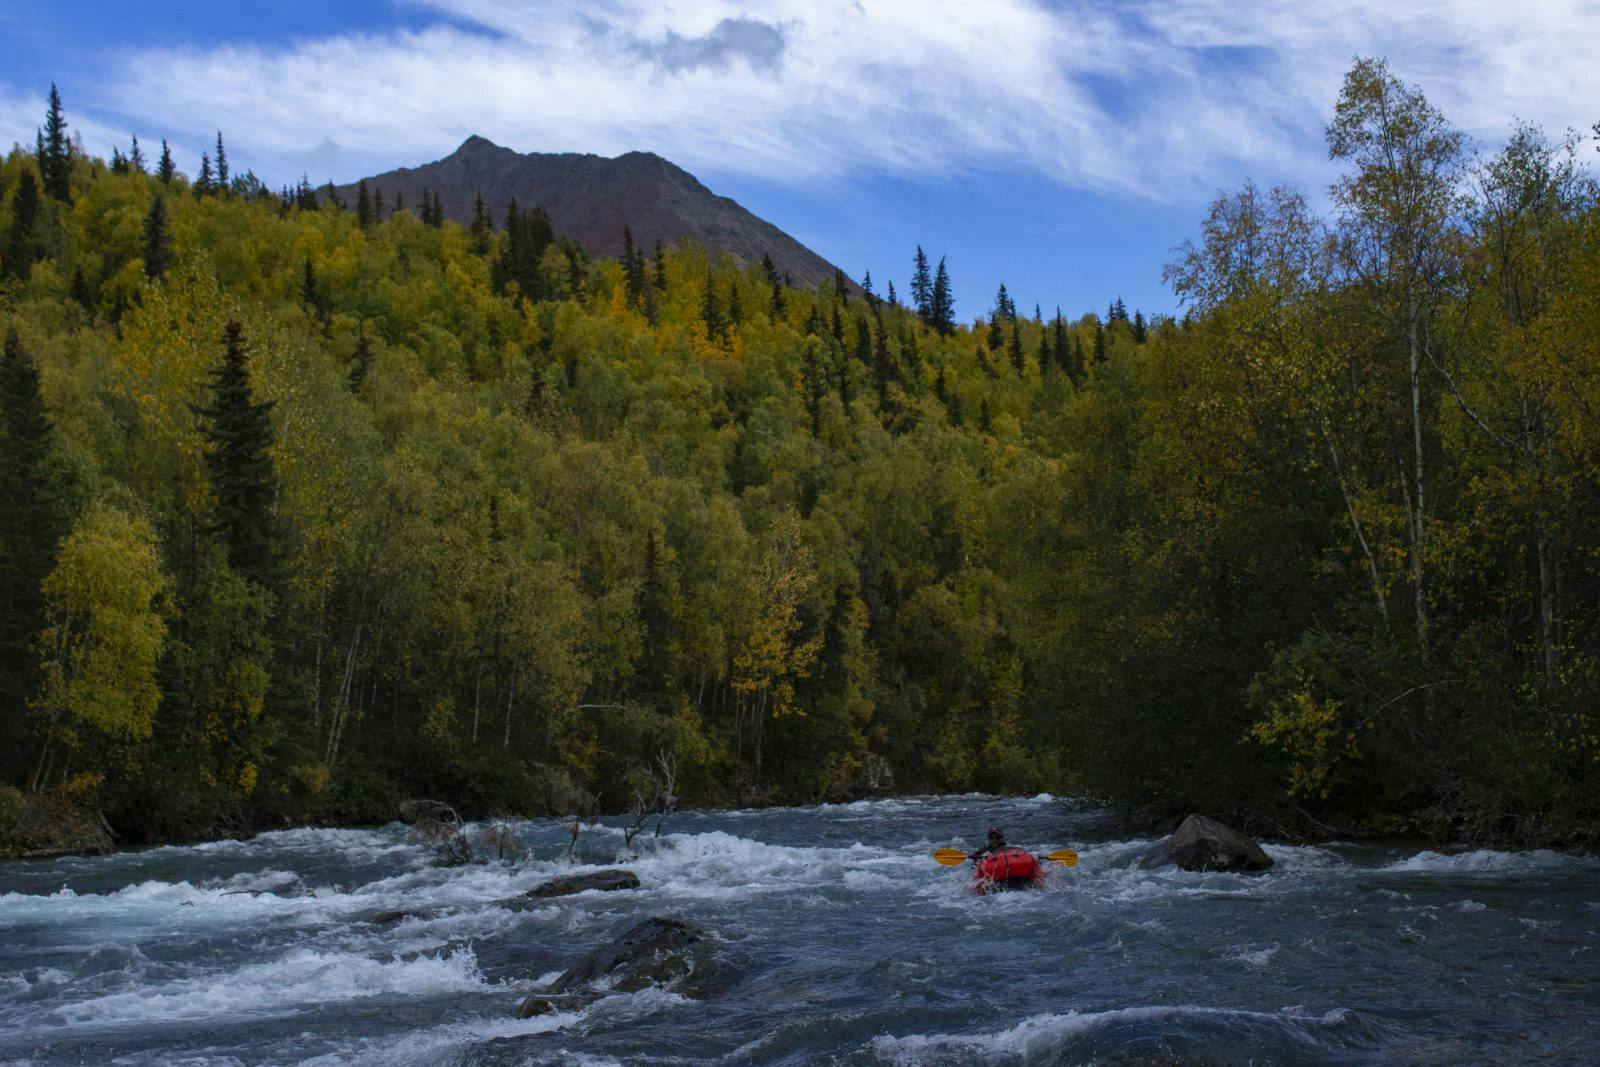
[1204, 844]
[668, 953]
[607, 880]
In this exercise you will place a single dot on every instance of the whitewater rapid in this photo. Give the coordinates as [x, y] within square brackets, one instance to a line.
[850, 944]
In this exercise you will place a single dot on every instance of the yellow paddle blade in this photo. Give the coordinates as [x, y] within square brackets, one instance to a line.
[950, 857]
[1066, 857]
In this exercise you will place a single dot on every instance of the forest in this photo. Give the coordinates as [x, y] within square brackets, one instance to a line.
[308, 507]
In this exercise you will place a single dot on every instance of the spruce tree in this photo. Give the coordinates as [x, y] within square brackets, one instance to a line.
[711, 311]
[841, 286]
[399, 202]
[363, 205]
[33, 519]
[1061, 350]
[632, 269]
[866, 288]
[1138, 328]
[1099, 342]
[157, 242]
[482, 226]
[377, 205]
[136, 156]
[55, 159]
[203, 185]
[309, 296]
[922, 288]
[1014, 348]
[942, 307]
[661, 267]
[222, 165]
[655, 675]
[361, 362]
[238, 460]
[119, 162]
[165, 170]
[894, 300]
[22, 248]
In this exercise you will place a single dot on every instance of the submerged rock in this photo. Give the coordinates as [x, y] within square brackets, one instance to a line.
[34, 826]
[1204, 844]
[608, 880]
[668, 953]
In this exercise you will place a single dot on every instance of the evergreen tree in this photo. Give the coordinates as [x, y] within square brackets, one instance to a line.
[894, 300]
[363, 205]
[922, 288]
[1061, 349]
[841, 286]
[1099, 342]
[238, 460]
[997, 317]
[1014, 348]
[204, 185]
[361, 362]
[222, 165]
[165, 170]
[377, 205]
[33, 519]
[711, 311]
[310, 297]
[136, 156]
[656, 671]
[1079, 369]
[22, 249]
[399, 202]
[119, 162]
[661, 267]
[866, 288]
[55, 157]
[1139, 333]
[157, 242]
[482, 226]
[632, 270]
[941, 305]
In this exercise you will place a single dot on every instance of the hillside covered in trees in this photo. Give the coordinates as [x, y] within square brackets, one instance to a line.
[307, 507]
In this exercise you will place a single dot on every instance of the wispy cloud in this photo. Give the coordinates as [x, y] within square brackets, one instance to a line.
[1152, 98]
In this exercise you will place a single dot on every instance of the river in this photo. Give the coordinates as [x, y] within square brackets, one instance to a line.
[851, 945]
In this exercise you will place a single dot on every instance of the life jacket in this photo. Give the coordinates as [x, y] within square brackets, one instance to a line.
[1009, 864]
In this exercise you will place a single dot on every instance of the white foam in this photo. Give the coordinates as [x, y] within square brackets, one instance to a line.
[1491, 861]
[301, 977]
[1041, 1036]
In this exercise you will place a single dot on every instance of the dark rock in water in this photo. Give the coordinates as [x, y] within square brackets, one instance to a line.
[545, 1003]
[668, 953]
[655, 952]
[34, 826]
[1204, 844]
[608, 880]
[391, 918]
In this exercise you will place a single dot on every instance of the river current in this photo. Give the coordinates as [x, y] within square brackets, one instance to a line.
[850, 945]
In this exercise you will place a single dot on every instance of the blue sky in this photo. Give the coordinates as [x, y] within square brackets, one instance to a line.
[1061, 147]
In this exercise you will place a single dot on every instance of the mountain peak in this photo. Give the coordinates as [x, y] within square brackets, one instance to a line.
[592, 199]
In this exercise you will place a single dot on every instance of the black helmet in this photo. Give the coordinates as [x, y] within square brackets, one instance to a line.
[995, 832]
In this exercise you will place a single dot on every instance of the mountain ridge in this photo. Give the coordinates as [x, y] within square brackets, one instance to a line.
[590, 198]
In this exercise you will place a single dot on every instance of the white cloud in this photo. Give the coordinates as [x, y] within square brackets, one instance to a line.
[1156, 98]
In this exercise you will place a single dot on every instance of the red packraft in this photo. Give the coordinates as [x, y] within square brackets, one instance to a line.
[1007, 868]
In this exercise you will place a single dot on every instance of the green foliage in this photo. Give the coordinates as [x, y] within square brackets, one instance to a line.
[506, 525]
[102, 642]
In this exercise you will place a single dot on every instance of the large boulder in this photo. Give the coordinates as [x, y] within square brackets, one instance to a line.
[608, 880]
[1204, 844]
[668, 953]
[58, 823]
